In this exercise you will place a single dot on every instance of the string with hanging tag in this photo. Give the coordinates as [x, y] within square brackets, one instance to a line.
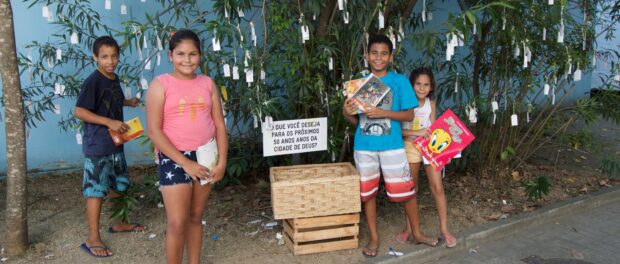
[240, 34]
[494, 108]
[144, 84]
[226, 68]
[262, 72]
[108, 5]
[74, 38]
[561, 31]
[249, 72]
[504, 19]
[583, 44]
[253, 33]
[58, 55]
[78, 138]
[340, 5]
[550, 2]
[423, 10]
[215, 42]
[529, 110]
[472, 113]
[577, 74]
[514, 119]
[546, 86]
[56, 109]
[45, 11]
[456, 83]
[240, 12]
[123, 8]
[401, 31]
[330, 63]
[544, 34]
[555, 83]
[381, 19]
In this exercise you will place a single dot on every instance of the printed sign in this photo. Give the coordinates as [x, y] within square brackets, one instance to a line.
[294, 136]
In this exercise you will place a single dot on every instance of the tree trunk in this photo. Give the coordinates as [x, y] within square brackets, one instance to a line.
[16, 228]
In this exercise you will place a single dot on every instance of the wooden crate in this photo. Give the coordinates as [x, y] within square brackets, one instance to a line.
[314, 190]
[321, 234]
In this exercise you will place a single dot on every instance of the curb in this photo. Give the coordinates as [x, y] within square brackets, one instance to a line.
[495, 230]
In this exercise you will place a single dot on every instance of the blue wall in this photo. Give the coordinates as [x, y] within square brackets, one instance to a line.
[49, 148]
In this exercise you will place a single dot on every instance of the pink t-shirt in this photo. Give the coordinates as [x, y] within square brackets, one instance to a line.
[187, 120]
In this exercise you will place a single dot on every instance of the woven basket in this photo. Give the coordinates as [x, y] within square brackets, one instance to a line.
[314, 190]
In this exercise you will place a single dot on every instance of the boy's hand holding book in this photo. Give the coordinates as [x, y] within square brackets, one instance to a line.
[123, 132]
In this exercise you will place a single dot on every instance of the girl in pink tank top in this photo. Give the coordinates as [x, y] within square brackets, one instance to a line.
[184, 112]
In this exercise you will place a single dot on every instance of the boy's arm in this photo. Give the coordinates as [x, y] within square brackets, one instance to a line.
[348, 109]
[133, 102]
[376, 112]
[90, 117]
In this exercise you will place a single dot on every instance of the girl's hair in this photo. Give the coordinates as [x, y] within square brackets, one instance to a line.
[184, 34]
[423, 71]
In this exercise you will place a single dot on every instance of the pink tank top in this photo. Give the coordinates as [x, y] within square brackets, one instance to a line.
[187, 120]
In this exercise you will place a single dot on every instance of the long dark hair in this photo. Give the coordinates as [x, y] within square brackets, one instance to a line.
[423, 71]
[184, 34]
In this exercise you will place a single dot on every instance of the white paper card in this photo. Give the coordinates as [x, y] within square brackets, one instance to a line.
[577, 75]
[340, 5]
[123, 9]
[144, 84]
[381, 20]
[547, 88]
[226, 70]
[216, 44]
[78, 138]
[207, 155]
[108, 4]
[56, 109]
[494, 106]
[74, 38]
[58, 54]
[514, 120]
[57, 88]
[330, 63]
[550, 2]
[262, 74]
[45, 11]
[235, 73]
[249, 75]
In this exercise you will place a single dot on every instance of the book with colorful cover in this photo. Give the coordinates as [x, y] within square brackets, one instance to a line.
[366, 92]
[207, 155]
[448, 137]
[135, 130]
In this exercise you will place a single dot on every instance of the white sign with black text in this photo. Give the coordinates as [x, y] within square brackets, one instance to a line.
[294, 136]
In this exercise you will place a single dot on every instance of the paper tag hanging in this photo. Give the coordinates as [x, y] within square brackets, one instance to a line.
[424, 11]
[57, 88]
[240, 33]
[381, 20]
[514, 120]
[345, 17]
[583, 44]
[456, 84]
[553, 95]
[240, 12]
[561, 31]
[108, 4]
[262, 74]
[474, 30]
[253, 31]
[216, 44]
[544, 37]
[472, 114]
[45, 11]
[144, 84]
[158, 55]
[546, 89]
[127, 92]
[617, 78]
[305, 34]
[340, 5]
[529, 109]
[330, 63]
[225, 12]
[147, 64]
[58, 54]
[78, 138]
[235, 73]
[144, 42]
[139, 95]
[494, 106]
[56, 109]
[577, 75]
[550, 2]
[123, 9]
[62, 89]
[74, 38]
[429, 16]
[255, 120]
[517, 51]
[226, 70]
[249, 75]
[594, 60]
[158, 44]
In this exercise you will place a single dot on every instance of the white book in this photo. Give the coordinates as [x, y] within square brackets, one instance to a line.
[207, 155]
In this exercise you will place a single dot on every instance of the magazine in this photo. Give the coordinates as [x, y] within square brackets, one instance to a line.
[448, 137]
[135, 130]
[207, 155]
[366, 92]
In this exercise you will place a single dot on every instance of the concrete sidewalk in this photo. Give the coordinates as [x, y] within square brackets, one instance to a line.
[585, 228]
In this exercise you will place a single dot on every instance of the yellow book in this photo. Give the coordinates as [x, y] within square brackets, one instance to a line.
[135, 130]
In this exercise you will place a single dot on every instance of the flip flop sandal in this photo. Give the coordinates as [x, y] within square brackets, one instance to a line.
[399, 239]
[370, 252]
[429, 242]
[88, 250]
[450, 243]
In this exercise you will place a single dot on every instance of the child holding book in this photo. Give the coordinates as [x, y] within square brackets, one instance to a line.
[183, 113]
[425, 114]
[100, 105]
[378, 146]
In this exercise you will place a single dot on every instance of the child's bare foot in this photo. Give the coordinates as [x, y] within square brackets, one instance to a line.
[450, 240]
[421, 239]
[403, 237]
[96, 249]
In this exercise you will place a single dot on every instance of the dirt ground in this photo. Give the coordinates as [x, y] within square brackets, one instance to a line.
[57, 224]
